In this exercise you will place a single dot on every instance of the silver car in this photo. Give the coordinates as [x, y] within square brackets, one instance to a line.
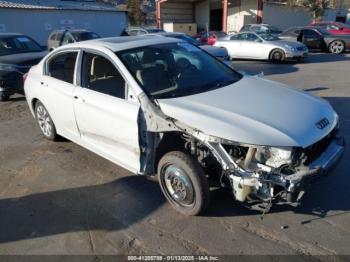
[264, 46]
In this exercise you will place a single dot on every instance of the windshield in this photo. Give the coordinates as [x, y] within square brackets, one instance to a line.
[83, 36]
[268, 37]
[187, 38]
[176, 69]
[18, 44]
[156, 30]
[323, 31]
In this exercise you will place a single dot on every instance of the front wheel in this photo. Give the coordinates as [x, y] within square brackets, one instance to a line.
[45, 122]
[183, 183]
[277, 55]
[336, 47]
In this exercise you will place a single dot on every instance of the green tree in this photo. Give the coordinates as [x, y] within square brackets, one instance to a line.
[136, 15]
[316, 7]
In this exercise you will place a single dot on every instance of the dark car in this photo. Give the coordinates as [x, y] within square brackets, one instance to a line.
[17, 54]
[219, 53]
[317, 38]
[134, 31]
[63, 37]
[257, 28]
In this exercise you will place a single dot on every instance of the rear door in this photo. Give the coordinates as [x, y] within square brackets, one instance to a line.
[106, 118]
[59, 82]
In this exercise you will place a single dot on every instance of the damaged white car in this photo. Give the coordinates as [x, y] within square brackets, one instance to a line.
[167, 108]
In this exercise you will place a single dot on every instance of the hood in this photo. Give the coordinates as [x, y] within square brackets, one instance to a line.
[255, 111]
[214, 50]
[23, 59]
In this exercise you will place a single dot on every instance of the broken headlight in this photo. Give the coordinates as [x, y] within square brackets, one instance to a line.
[274, 156]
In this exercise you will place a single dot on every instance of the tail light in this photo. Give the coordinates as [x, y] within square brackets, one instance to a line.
[24, 77]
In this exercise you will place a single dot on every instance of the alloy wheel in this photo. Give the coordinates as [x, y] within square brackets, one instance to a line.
[44, 121]
[336, 47]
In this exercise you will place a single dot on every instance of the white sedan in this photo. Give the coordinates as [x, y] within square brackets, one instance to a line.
[264, 46]
[161, 106]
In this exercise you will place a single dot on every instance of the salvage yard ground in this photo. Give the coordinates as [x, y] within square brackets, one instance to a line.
[58, 198]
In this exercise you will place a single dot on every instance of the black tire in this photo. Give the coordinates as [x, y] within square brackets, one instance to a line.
[46, 125]
[4, 97]
[192, 173]
[336, 47]
[277, 55]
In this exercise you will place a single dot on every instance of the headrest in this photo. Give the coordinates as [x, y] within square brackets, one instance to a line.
[69, 63]
[101, 66]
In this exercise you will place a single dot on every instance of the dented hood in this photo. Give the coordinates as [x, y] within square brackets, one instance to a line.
[255, 111]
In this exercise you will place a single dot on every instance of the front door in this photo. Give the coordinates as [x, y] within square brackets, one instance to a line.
[106, 120]
[250, 46]
[312, 39]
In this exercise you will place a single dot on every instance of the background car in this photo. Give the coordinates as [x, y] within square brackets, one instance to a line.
[63, 37]
[318, 38]
[17, 54]
[336, 28]
[210, 37]
[134, 31]
[219, 53]
[251, 45]
[267, 28]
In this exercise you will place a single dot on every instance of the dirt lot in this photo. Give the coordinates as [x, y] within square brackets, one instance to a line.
[58, 198]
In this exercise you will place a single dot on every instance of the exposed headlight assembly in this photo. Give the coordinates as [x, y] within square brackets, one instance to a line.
[274, 156]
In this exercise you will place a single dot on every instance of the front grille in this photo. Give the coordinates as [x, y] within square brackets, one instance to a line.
[314, 151]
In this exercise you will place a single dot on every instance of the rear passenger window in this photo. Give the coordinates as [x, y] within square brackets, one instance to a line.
[100, 75]
[62, 67]
[53, 36]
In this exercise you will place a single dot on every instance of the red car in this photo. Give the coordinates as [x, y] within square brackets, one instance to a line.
[210, 37]
[335, 28]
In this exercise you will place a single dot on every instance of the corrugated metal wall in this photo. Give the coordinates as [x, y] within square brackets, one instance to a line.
[181, 12]
[38, 24]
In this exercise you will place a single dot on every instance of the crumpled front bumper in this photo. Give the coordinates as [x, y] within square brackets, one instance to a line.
[318, 167]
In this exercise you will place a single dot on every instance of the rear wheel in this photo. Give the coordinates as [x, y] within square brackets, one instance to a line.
[336, 47]
[277, 55]
[45, 122]
[183, 183]
[4, 97]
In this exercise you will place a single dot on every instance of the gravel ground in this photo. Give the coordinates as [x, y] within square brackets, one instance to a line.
[58, 198]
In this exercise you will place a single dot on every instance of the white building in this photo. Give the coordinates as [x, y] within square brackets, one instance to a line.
[231, 15]
[37, 18]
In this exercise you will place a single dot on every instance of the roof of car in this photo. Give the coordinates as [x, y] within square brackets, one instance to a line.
[10, 34]
[70, 30]
[123, 42]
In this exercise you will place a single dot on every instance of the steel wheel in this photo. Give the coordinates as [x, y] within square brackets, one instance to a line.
[336, 47]
[183, 183]
[45, 122]
[179, 186]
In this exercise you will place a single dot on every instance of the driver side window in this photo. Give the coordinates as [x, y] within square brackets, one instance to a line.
[67, 39]
[100, 75]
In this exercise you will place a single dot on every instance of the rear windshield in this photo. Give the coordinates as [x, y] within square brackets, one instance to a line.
[83, 36]
[176, 69]
[18, 44]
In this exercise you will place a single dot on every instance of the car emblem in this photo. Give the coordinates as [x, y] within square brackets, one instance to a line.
[323, 123]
